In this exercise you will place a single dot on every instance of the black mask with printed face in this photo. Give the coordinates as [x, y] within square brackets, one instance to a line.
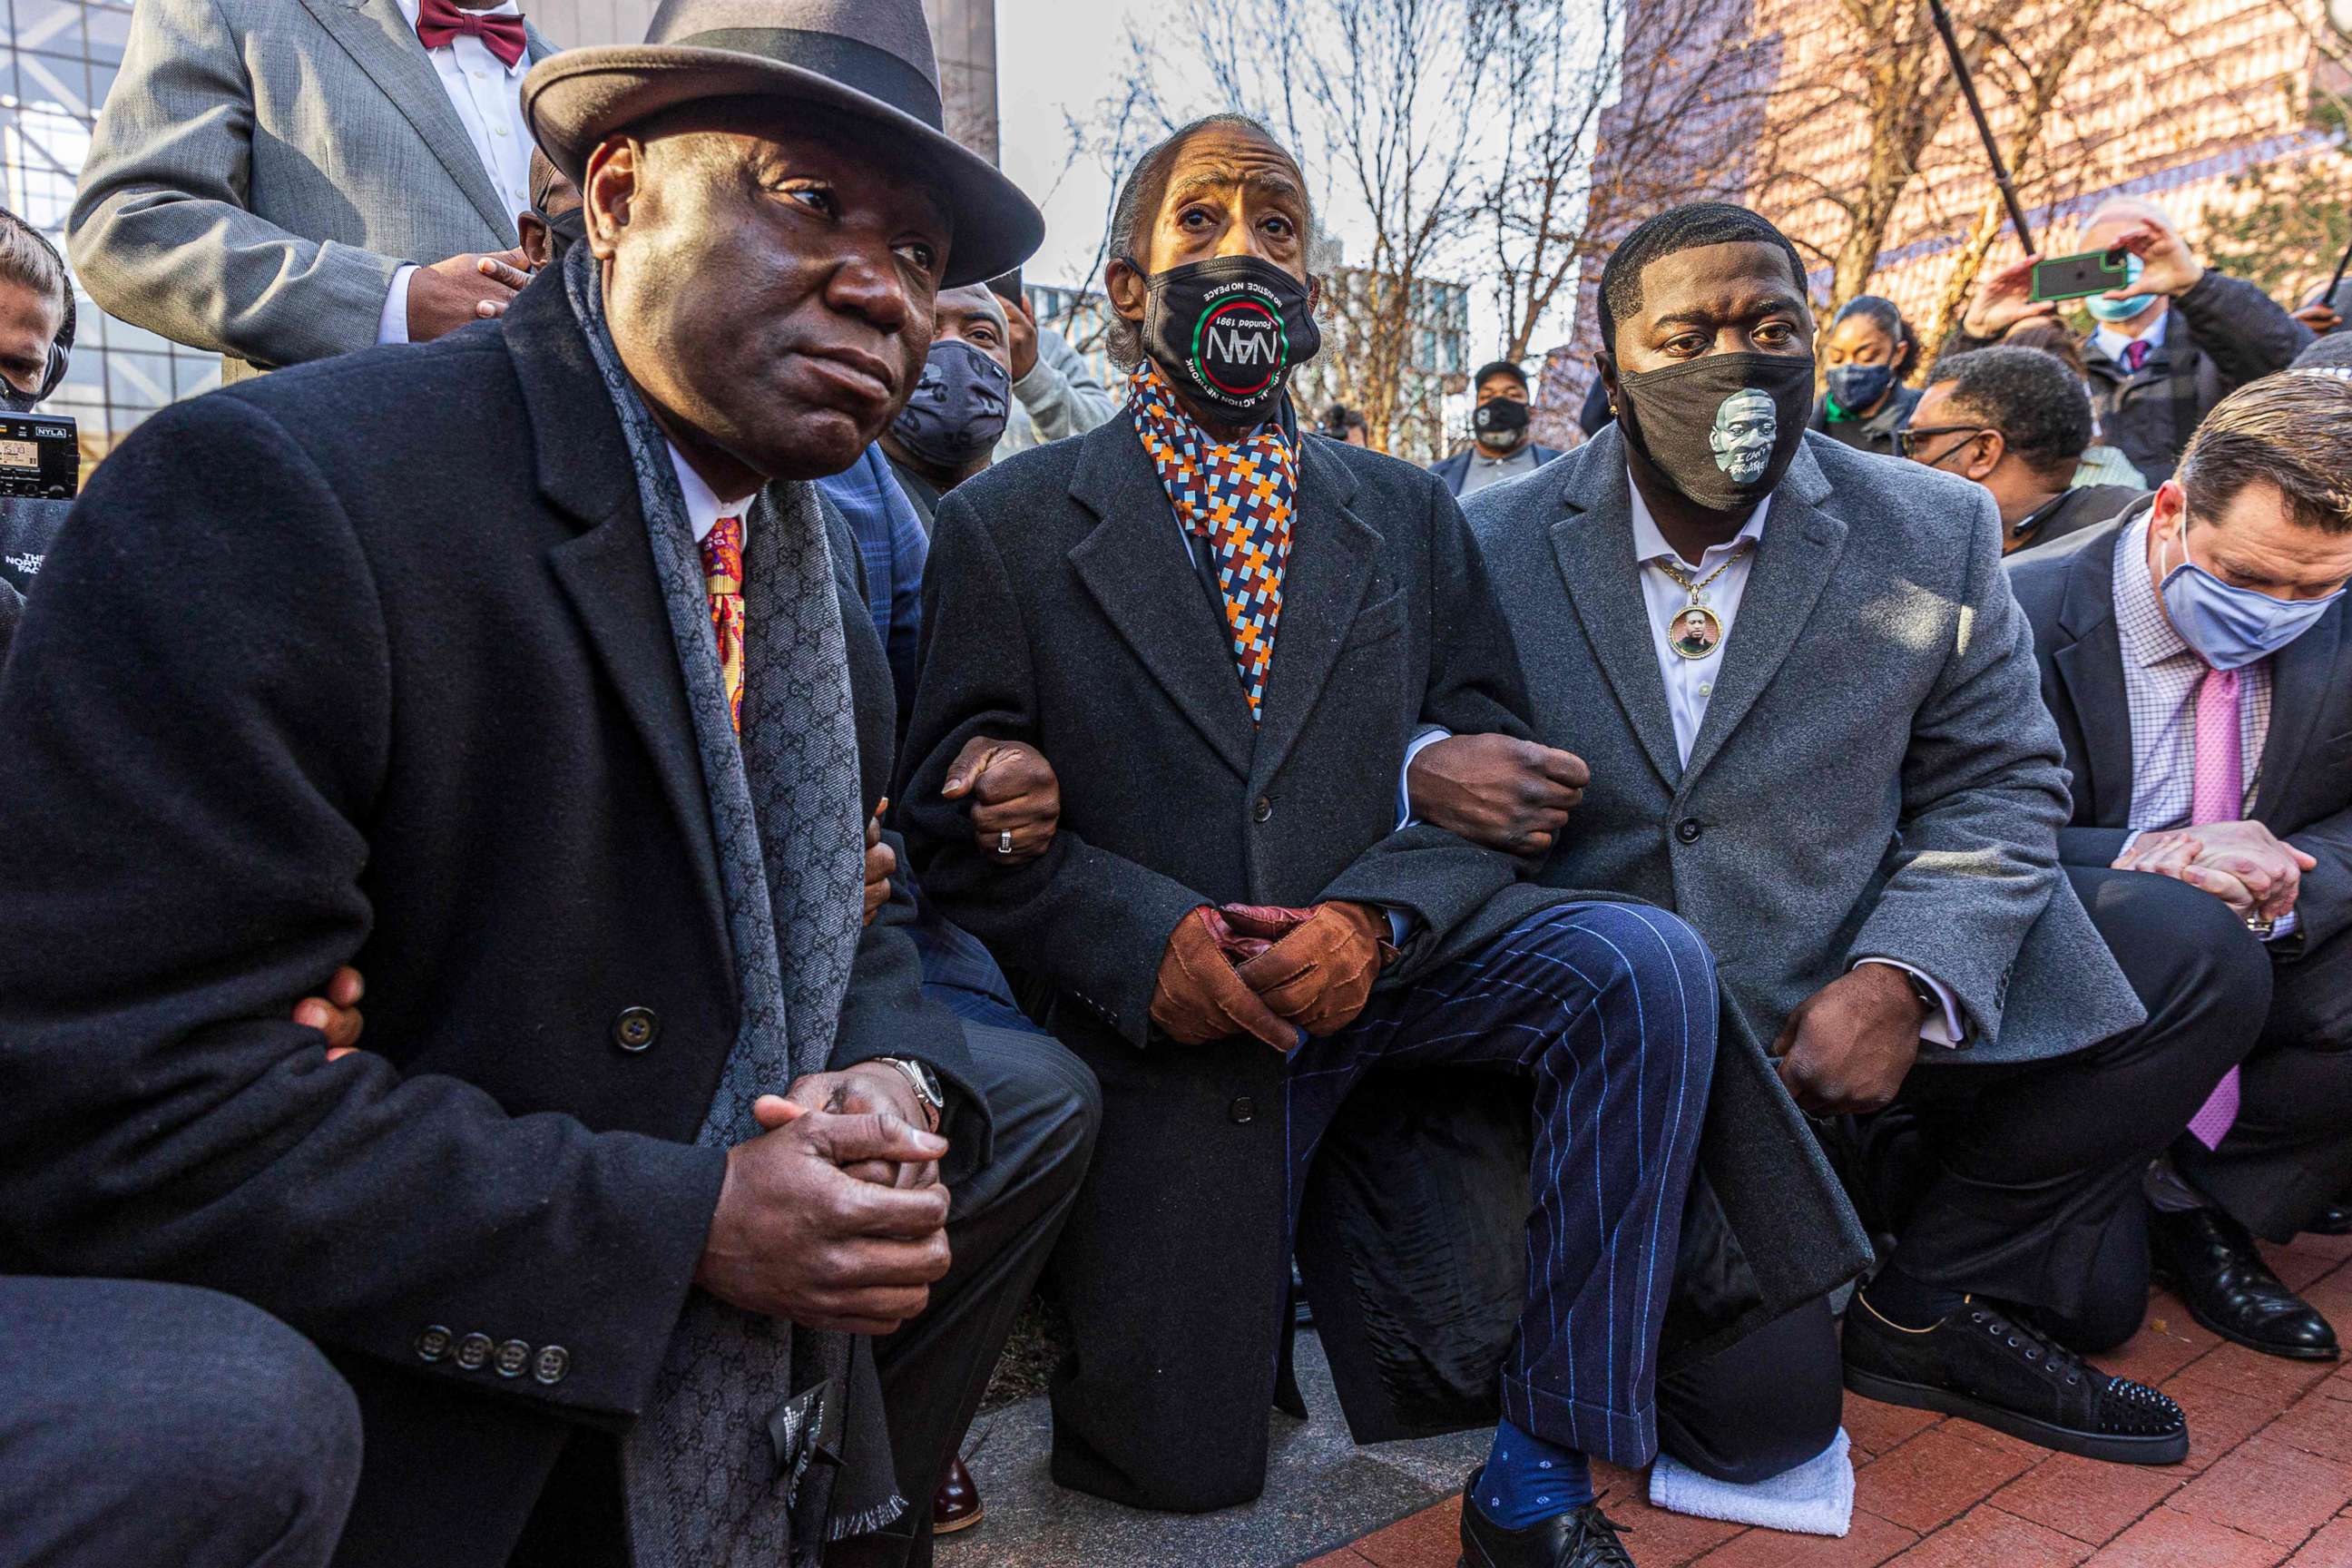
[1722, 429]
[1228, 331]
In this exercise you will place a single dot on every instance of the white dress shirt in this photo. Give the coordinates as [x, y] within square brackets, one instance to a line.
[704, 506]
[486, 93]
[2112, 342]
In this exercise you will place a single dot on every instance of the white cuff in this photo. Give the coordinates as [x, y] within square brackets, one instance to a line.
[1419, 743]
[1946, 1030]
[392, 326]
[2284, 928]
[2130, 839]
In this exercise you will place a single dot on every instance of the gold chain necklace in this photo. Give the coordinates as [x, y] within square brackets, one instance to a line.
[1695, 631]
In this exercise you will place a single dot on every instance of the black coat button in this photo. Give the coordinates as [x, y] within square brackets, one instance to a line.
[549, 1366]
[637, 1028]
[513, 1358]
[433, 1344]
[1688, 829]
[474, 1352]
[1263, 809]
[1242, 1110]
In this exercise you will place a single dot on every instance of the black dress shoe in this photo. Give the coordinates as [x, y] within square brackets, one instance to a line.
[956, 1505]
[1981, 1364]
[2335, 1219]
[2212, 1261]
[1582, 1538]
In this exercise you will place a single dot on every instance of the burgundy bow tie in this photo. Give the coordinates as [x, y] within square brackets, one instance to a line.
[438, 23]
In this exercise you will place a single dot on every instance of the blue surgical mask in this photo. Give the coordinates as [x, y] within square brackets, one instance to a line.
[2231, 626]
[2131, 305]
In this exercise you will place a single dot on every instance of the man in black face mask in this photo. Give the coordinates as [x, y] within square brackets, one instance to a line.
[1503, 444]
[1224, 636]
[948, 431]
[1812, 717]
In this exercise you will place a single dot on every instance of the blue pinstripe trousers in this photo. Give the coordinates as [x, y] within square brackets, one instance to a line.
[1611, 1008]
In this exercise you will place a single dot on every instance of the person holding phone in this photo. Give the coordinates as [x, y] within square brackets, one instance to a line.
[2172, 342]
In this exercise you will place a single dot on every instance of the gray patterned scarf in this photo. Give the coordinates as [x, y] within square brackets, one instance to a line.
[759, 1443]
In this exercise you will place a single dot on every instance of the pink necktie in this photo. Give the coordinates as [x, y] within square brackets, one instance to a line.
[2218, 794]
[2135, 353]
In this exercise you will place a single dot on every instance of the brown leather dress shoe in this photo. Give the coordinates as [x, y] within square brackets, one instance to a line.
[956, 1505]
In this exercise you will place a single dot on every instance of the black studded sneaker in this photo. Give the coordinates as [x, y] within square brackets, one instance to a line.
[1581, 1538]
[1981, 1363]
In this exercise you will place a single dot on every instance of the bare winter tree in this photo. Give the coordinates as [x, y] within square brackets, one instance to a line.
[1618, 110]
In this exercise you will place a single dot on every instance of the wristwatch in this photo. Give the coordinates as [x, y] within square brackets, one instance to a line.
[1924, 994]
[927, 1086]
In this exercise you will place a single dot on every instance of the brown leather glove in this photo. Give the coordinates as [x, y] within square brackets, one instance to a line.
[1200, 997]
[1320, 975]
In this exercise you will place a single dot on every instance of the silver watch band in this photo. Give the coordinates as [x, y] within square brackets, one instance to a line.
[933, 1106]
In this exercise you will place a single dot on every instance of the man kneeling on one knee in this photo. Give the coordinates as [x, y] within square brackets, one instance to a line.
[1222, 633]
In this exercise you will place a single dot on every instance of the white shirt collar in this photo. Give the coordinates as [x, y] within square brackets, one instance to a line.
[704, 506]
[409, 8]
[2112, 342]
[1649, 543]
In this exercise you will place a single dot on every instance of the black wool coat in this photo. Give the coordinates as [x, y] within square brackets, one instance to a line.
[1061, 608]
[366, 662]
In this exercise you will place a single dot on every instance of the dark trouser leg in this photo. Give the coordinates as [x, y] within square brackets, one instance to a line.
[1612, 1008]
[1003, 1223]
[2290, 1150]
[161, 1423]
[2034, 1159]
[1758, 1408]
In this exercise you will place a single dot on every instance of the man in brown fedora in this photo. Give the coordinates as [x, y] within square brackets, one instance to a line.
[525, 671]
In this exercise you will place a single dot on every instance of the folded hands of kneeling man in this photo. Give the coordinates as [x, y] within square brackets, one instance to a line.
[1278, 974]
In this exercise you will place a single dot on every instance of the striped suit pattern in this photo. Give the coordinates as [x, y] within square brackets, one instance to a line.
[1611, 1009]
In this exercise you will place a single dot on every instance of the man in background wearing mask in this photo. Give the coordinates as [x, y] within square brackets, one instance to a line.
[1502, 445]
[553, 223]
[1853, 792]
[1222, 636]
[2017, 421]
[947, 430]
[2194, 652]
[2168, 346]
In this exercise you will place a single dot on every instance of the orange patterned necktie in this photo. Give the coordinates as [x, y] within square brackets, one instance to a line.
[723, 575]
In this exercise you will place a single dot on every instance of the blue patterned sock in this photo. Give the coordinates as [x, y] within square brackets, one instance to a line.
[1528, 1481]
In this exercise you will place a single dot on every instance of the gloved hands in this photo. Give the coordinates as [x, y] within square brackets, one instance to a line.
[1269, 973]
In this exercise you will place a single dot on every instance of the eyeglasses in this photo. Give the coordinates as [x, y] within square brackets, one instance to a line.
[1906, 440]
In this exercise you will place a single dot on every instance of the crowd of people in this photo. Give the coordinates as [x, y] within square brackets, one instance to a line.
[610, 867]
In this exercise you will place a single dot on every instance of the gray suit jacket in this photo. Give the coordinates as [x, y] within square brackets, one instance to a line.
[1876, 775]
[263, 167]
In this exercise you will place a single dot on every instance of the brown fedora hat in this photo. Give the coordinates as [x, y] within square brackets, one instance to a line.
[868, 58]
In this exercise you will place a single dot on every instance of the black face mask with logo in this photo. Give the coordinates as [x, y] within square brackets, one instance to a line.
[1499, 421]
[1229, 331]
[1722, 429]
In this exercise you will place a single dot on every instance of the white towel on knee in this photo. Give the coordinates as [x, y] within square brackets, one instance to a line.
[1814, 1499]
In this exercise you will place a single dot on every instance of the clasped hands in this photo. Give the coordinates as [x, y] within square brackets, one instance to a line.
[1276, 974]
[2243, 864]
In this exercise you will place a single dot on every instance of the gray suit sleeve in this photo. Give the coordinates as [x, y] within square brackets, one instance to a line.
[1984, 793]
[161, 232]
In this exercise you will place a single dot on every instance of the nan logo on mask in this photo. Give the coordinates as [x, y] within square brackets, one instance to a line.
[1745, 426]
[1238, 346]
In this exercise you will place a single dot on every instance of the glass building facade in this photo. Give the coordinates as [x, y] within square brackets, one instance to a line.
[58, 65]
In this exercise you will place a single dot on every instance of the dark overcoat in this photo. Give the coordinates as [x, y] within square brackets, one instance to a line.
[1061, 608]
[365, 662]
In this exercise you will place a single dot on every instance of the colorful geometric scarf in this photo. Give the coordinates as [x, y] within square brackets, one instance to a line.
[1240, 499]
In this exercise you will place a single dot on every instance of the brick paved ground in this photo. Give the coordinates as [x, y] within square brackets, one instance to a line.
[2268, 1482]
